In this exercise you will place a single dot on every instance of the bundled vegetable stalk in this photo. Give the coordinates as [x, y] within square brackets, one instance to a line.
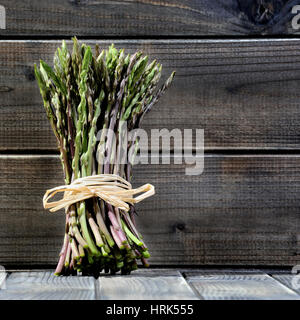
[83, 95]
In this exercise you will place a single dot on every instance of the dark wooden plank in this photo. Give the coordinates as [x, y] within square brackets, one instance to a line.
[243, 210]
[45, 286]
[223, 285]
[100, 18]
[292, 281]
[145, 286]
[244, 94]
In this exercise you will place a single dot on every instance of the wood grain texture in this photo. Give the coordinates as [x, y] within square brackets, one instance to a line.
[291, 281]
[156, 272]
[244, 94]
[98, 18]
[194, 272]
[239, 286]
[153, 284]
[45, 286]
[3, 276]
[243, 210]
[144, 288]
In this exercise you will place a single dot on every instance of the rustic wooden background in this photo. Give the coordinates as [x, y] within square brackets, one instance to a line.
[238, 77]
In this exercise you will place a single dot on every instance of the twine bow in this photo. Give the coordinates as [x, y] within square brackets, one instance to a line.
[109, 187]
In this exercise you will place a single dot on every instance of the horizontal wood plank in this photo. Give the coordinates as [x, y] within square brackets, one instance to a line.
[244, 94]
[239, 286]
[145, 287]
[243, 210]
[100, 18]
[45, 286]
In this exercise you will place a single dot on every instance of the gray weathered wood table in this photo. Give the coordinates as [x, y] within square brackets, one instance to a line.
[154, 284]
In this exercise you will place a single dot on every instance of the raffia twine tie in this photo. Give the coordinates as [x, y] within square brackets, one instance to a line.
[109, 187]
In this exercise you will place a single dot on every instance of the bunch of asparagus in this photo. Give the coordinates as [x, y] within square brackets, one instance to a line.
[83, 94]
